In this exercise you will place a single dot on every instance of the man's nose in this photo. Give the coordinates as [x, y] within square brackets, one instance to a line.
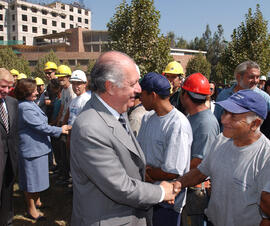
[138, 88]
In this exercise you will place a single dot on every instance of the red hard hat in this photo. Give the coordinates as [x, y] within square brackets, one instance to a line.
[197, 83]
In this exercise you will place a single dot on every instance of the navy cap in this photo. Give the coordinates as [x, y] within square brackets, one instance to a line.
[154, 82]
[244, 101]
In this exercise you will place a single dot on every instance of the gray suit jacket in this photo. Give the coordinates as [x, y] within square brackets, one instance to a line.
[107, 167]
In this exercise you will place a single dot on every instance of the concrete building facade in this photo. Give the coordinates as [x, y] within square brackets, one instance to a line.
[23, 21]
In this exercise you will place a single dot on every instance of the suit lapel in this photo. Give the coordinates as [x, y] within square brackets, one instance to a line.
[117, 129]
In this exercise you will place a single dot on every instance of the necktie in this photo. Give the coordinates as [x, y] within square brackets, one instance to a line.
[4, 115]
[123, 122]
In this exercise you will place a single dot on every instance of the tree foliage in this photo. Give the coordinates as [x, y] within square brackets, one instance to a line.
[198, 64]
[9, 60]
[134, 30]
[250, 41]
[39, 69]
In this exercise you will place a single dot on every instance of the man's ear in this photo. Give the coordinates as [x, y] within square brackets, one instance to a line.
[238, 77]
[109, 86]
[255, 124]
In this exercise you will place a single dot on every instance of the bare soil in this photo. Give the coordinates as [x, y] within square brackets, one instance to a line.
[58, 206]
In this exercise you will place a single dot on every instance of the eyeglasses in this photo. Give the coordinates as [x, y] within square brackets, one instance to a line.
[48, 72]
[211, 89]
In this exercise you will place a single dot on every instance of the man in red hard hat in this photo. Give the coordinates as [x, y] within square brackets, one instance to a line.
[205, 129]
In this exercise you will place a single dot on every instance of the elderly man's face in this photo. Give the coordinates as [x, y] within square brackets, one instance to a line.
[235, 126]
[124, 96]
[4, 88]
[250, 79]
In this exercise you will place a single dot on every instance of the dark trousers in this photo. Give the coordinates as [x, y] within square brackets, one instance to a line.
[6, 208]
[165, 216]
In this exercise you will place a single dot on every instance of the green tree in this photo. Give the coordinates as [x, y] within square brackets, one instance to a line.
[39, 69]
[90, 66]
[9, 60]
[181, 43]
[171, 36]
[198, 64]
[250, 41]
[134, 30]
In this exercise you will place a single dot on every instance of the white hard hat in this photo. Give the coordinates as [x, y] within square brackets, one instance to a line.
[78, 76]
[263, 78]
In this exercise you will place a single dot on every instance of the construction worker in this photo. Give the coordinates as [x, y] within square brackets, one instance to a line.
[165, 137]
[15, 74]
[49, 96]
[21, 76]
[175, 74]
[205, 129]
[262, 82]
[50, 69]
[40, 101]
[63, 74]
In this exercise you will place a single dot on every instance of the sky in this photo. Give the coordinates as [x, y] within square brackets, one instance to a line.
[187, 18]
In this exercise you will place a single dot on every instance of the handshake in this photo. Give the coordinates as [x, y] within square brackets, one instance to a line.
[171, 189]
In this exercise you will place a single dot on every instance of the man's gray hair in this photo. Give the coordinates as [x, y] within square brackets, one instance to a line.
[244, 66]
[253, 116]
[102, 72]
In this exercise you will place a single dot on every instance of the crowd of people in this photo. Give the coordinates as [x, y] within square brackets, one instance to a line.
[154, 149]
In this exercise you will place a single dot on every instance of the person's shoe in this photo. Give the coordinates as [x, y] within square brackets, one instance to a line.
[39, 218]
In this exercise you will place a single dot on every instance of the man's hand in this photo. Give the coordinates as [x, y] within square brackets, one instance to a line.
[171, 190]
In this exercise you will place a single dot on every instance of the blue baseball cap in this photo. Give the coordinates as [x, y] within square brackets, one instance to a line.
[244, 101]
[154, 82]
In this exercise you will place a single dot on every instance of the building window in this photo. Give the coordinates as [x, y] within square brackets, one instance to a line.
[13, 28]
[24, 28]
[62, 6]
[34, 10]
[1, 16]
[71, 9]
[14, 38]
[79, 19]
[44, 21]
[86, 21]
[24, 40]
[34, 19]
[44, 12]
[71, 17]
[34, 29]
[1, 7]
[83, 62]
[63, 25]
[71, 26]
[44, 31]
[54, 23]
[32, 63]
[24, 17]
[63, 16]
[86, 13]
[72, 62]
[54, 14]
[54, 31]
[1, 38]
[1, 27]
[79, 11]
[13, 17]
[24, 7]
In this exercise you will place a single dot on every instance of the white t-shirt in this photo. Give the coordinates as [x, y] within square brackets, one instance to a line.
[238, 176]
[77, 105]
[166, 142]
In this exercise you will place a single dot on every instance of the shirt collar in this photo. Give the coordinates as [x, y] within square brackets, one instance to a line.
[110, 109]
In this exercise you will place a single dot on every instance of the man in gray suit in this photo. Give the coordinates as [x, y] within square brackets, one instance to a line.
[107, 164]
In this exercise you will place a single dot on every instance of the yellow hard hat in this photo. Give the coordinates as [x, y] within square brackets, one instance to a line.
[39, 81]
[50, 65]
[62, 71]
[14, 72]
[174, 68]
[21, 76]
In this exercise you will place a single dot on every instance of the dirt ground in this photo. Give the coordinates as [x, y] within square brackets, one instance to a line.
[57, 200]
